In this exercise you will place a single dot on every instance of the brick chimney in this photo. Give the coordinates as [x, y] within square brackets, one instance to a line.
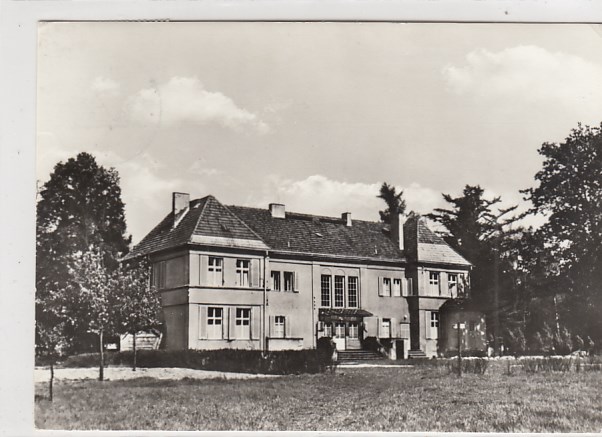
[346, 216]
[180, 202]
[397, 221]
[277, 210]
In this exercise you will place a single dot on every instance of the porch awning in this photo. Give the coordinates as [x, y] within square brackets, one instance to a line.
[342, 314]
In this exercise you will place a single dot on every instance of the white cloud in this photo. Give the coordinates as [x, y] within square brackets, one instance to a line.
[185, 100]
[105, 85]
[320, 195]
[530, 75]
[200, 168]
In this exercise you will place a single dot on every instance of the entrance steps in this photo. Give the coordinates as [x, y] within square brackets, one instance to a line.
[358, 356]
[416, 354]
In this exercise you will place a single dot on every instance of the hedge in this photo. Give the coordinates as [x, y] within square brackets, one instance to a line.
[225, 360]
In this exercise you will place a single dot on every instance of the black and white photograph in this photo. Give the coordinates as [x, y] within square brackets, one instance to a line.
[318, 226]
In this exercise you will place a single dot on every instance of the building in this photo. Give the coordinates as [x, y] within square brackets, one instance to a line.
[239, 277]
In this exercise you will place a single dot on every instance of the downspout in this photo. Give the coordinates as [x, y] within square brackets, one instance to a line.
[265, 289]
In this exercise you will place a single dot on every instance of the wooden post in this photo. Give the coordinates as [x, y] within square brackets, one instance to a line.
[102, 358]
[134, 347]
[51, 381]
[459, 348]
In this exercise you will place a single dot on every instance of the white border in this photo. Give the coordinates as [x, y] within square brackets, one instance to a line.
[18, 32]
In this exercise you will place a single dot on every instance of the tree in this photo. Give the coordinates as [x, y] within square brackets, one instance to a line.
[395, 202]
[79, 206]
[569, 192]
[483, 235]
[93, 291]
[137, 300]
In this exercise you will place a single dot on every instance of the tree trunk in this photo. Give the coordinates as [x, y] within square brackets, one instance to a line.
[102, 357]
[51, 381]
[459, 349]
[134, 347]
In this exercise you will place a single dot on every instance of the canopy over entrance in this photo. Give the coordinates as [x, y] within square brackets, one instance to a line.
[342, 315]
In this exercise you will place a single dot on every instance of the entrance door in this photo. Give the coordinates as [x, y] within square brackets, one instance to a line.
[339, 335]
[353, 336]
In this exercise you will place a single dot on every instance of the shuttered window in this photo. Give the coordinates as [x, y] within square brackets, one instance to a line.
[396, 287]
[215, 271]
[276, 285]
[242, 272]
[434, 289]
[289, 281]
[279, 329]
[452, 284]
[386, 287]
[215, 322]
[243, 323]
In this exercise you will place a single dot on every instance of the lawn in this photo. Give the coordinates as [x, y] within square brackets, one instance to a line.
[422, 398]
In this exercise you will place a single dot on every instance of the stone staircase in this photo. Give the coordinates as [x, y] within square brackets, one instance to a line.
[416, 354]
[358, 356]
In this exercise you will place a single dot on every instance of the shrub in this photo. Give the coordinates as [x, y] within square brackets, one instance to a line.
[225, 360]
[474, 365]
[548, 364]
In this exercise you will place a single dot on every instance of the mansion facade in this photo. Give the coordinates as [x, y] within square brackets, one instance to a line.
[269, 279]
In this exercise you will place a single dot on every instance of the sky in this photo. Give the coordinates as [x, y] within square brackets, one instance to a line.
[312, 115]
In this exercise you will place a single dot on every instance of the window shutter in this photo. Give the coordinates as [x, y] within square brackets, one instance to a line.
[404, 287]
[271, 282]
[394, 328]
[320, 326]
[255, 323]
[231, 323]
[380, 286]
[287, 327]
[202, 322]
[427, 323]
[379, 327]
[271, 321]
[404, 330]
[254, 273]
[295, 282]
[410, 287]
[371, 326]
[204, 269]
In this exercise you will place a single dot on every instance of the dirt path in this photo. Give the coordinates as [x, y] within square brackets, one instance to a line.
[42, 374]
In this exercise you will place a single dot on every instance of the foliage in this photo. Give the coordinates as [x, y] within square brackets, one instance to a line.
[477, 366]
[394, 200]
[225, 360]
[569, 192]
[79, 207]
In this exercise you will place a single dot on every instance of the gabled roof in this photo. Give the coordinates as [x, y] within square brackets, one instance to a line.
[426, 246]
[207, 222]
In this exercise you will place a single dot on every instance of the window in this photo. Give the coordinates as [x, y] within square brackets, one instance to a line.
[396, 287]
[276, 281]
[352, 291]
[353, 330]
[243, 323]
[452, 283]
[215, 271]
[434, 325]
[242, 272]
[214, 323]
[327, 330]
[279, 322]
[385, 331]
[434, 283]
[472, 326]
[289, 281]
[339, 291]
[325, 290]
[386, 286]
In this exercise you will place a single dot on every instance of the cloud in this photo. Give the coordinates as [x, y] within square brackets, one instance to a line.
[199, 168]
[529, 75]
[320, 195]
[105, 85]
[185, 100]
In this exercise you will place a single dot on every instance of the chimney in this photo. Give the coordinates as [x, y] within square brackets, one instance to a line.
[180, 203]
[346, 216]
[277, 210]
[397, 221]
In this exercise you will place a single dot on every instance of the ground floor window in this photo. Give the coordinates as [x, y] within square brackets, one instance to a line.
[279, 322]
[353, 330]
[385, 331]
[339, 330]
[434, 325]
[215, 319]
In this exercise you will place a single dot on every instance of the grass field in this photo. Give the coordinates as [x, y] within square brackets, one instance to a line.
[423, 398]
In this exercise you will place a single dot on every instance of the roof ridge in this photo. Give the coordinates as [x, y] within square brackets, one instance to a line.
[303, 214]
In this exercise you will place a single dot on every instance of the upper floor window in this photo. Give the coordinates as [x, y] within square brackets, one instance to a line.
[325, 285]
[352, 291]
[386, 286]
[214, 323]
[242, 272]
[289, 281]
[434, 283]
[339, 291]
[215, 271]
[396, 287]
[276, 285]
[243, 323]
[452, 283]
